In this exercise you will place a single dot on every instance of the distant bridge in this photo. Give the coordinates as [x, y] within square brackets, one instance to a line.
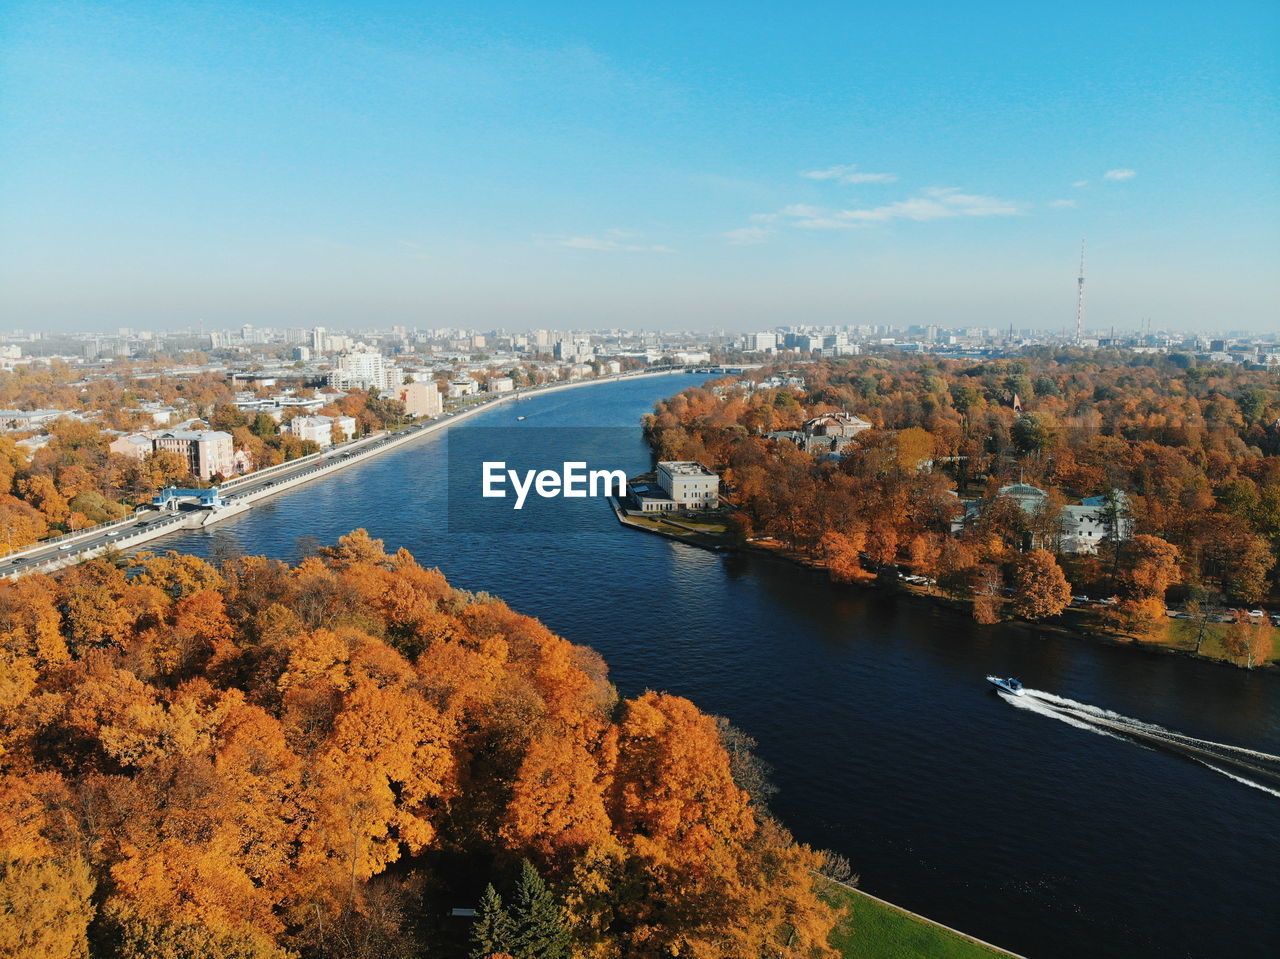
[169, 497]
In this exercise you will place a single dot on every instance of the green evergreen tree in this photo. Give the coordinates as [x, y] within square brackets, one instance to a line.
[540, 932]
[493, 929]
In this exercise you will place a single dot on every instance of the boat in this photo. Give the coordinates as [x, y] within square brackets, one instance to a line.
[520, 419]
[1009, 685]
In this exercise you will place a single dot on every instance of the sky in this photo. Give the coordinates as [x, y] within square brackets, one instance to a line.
[659, 165]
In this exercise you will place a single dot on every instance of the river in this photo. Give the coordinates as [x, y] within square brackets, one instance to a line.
[1051, 839]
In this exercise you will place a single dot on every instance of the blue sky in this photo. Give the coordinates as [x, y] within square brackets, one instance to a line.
[642, 164]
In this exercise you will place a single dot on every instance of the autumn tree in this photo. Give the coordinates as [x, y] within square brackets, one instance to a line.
[843, 555]
[985, 584]
[1247, 567]
[558, 798]
[1141, 617]
[1247, 643]
[45, 908]
[914, 447]
[1040, 587]
[229, 761]
[166, 938]
[21, 523]
[1151, 567]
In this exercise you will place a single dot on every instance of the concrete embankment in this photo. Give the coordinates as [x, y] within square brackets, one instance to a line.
[669, 528]
[242, 492]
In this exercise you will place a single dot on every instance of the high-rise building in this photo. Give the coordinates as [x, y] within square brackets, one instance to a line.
[361, 369]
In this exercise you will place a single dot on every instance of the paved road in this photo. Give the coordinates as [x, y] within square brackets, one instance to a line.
[238, 489]
[148, 520]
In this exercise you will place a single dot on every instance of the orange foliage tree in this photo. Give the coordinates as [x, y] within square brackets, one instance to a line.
[235, 757]
[1040, 587]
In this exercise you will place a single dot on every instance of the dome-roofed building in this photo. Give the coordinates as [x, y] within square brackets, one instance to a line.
[1029, 497]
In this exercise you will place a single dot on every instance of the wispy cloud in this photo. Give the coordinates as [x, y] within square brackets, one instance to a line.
[1063, 204]
[1120, 174]
[747, 236]
[849, 173]
[613, 241]
[936, 203]
[416, 250]
[1080, 183]
[800, 211]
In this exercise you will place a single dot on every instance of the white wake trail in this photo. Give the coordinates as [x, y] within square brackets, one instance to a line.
[1034, 705]
[1104, 722]
[1241, 779]
[1106, 714]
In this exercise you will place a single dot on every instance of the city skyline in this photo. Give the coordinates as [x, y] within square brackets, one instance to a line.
[566, 167]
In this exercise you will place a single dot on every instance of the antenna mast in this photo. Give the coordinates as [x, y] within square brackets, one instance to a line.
[1080, 299]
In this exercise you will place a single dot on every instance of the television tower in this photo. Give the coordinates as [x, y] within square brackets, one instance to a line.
[1080, 298]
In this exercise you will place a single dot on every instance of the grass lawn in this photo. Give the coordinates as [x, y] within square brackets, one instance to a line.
[875, 930]
[718, 525]
[1182, 634]
[703, 531]
[649, 522]
[1179, 633]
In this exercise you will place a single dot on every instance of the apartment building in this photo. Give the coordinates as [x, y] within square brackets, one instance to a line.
[420, 398]
[208, 453]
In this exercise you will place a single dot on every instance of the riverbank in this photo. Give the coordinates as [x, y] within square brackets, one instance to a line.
[242, 492]
[710, 537]
[1172, 637]
[877, 929]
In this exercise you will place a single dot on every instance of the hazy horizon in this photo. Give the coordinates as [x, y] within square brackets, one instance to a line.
[737, 167]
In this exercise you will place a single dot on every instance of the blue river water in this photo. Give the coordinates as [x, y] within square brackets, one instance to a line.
[1047, 837]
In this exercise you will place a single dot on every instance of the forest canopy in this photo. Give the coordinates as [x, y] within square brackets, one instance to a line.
[263, 760]
[1187, 457]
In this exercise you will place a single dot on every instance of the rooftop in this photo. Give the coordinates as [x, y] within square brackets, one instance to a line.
[1023, 490]
[684, 468]
[192, 434]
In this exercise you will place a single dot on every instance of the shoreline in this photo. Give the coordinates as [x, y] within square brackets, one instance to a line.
[948, 940]
[906, 591]
[48, 557]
